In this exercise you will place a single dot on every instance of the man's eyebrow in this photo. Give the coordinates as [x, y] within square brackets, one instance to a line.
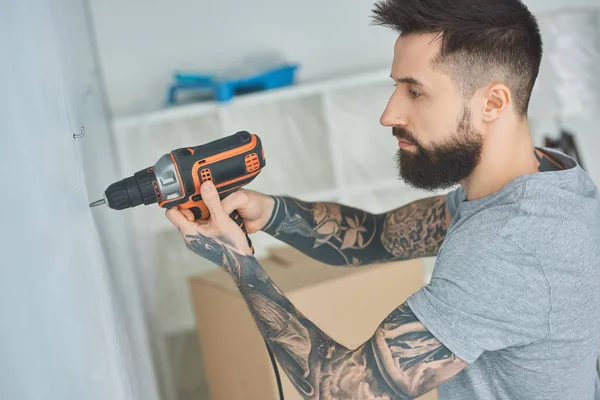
[410, 81]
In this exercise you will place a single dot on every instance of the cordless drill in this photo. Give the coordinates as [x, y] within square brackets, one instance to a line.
[175, 179]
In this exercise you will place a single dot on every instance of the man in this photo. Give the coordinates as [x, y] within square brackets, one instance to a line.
[513, 308]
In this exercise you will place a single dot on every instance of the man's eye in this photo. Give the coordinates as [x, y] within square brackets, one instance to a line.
[414, 94]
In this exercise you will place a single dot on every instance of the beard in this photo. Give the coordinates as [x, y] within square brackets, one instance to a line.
[443, 165]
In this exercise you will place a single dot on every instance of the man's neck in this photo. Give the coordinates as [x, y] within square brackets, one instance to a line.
[504, 158]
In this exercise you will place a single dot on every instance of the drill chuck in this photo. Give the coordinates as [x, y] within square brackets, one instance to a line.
[133, 191]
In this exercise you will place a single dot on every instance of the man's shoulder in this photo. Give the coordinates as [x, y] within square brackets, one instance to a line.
[488, 240]
[485, 254]
[496, 221]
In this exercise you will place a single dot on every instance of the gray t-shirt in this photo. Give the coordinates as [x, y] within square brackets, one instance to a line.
[515, 291]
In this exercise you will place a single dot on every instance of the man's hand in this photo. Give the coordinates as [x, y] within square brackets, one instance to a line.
[212, 238]
[255, 208]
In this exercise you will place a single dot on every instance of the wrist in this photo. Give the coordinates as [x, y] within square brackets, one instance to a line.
[272, 207]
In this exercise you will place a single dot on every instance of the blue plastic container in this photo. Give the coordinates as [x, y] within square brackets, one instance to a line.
[224, 89]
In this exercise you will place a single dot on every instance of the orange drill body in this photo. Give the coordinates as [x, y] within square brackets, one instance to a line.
[230, 163]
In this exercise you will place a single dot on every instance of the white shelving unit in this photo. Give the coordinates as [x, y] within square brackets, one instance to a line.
[290, 92]
[322, 140]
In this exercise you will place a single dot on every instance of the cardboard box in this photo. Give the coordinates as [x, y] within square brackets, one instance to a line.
[347, 303]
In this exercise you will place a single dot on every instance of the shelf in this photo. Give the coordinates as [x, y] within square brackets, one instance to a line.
[295, 91]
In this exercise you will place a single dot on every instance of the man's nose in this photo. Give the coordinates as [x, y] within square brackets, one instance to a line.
[393, 114]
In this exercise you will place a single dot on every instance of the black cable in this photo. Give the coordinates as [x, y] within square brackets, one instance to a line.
[277, 377]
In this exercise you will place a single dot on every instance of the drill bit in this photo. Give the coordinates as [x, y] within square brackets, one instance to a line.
[98, 203]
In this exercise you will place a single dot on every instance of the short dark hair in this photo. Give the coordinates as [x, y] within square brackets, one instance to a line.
[482, 40]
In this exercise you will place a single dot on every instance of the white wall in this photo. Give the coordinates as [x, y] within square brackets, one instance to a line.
[142, 42]
[69, 329]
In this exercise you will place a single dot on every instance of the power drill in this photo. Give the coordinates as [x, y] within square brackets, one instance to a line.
[175, 179]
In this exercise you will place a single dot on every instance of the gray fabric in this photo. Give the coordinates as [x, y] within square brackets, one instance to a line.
[515, 291]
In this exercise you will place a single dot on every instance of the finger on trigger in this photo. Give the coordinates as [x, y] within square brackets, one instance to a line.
[189, 215]
[177, 218]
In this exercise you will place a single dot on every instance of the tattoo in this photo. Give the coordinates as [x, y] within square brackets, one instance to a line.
[416, 230]
[402, 359]
[547, 163]
[342, 235]
[217, 250]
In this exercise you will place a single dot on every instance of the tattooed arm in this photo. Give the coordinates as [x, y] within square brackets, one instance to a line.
[402, 360]
[340, 235]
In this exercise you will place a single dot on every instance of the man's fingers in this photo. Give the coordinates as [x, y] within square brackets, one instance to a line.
[181, 222]
[234, 201]
[188, 214]
[177, 218]
[210, 196]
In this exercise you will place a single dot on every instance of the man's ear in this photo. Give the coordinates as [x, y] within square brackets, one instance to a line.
[497, 99]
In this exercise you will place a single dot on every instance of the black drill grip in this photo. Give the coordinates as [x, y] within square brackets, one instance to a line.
[240, 221]
[197, 213]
